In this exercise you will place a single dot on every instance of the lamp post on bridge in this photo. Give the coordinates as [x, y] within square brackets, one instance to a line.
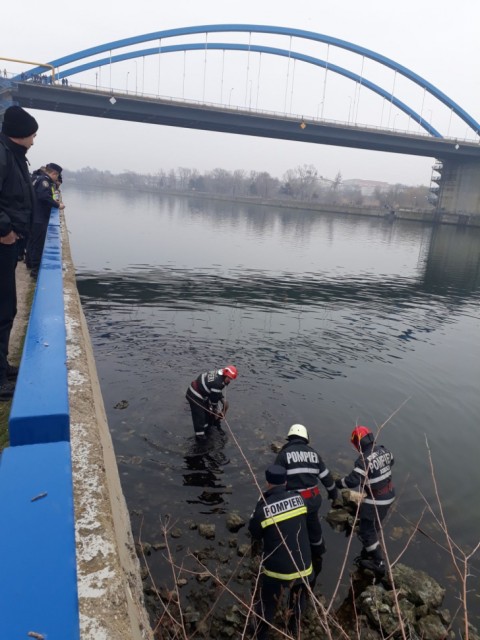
[230, 96]
[136, 76]
[126, 84]
[395, 119]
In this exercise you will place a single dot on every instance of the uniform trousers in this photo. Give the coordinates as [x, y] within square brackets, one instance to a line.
[270, 594]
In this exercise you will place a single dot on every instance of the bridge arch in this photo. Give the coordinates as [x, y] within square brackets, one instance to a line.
[259, 49]
[284, 31]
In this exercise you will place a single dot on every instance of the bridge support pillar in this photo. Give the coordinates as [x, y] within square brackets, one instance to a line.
[459, 189]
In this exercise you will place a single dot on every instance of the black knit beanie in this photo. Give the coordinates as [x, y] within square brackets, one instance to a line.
[17, 123]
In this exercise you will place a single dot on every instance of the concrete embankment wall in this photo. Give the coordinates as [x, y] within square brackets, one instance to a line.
[69, 568]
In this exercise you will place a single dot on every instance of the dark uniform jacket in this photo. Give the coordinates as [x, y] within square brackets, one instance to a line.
[372, 471]
[208, 386]
[16, 195]
[281, 514]
[304, 467]
[44, 188]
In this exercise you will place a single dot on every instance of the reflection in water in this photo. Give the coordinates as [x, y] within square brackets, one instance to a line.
[330, 320]
[204, 464]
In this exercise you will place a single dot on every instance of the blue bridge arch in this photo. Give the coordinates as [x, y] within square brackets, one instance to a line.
[273, 30]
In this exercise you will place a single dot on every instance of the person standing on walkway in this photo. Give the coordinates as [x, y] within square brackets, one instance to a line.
[19, 129]
[372, 472]
[279, 522]
[46, 198]
[305, 467]
[204, 394]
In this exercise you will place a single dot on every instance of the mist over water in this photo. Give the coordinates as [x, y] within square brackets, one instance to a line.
[331, 321]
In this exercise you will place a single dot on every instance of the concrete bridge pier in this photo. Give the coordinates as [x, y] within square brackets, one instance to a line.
[459, 188]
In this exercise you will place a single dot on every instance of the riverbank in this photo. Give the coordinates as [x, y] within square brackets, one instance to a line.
[429, 215]
[109, 584]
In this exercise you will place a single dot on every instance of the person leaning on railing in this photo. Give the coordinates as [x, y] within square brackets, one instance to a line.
[19, 129]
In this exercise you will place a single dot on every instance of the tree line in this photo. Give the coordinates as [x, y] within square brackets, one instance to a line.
[302, 184]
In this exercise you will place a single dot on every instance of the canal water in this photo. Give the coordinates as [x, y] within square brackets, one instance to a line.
[332, 321]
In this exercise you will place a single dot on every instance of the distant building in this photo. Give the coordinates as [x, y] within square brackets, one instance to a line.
[367, 187]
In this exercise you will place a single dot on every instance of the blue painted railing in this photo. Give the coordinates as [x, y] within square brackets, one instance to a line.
[38, 577]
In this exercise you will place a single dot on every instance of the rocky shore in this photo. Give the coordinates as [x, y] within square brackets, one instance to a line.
[211, 593]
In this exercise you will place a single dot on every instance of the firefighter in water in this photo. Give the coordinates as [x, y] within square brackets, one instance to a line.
[372, 472]
[205, 393]
[305, 468]
[279, 523]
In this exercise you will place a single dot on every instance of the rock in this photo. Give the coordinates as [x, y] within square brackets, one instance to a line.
[419, 587]
[181, 582]
[207, 531]
[176, 533]
[431, 628]
[340, 519]
[156, 546]
[277, 445]
[243, 550]
[123, 404]
[234, 521]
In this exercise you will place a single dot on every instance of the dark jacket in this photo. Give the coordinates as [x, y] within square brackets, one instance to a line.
[304, 467]
[279, 520]
[372, 471]
[16, 194]
[208, 386]
[44, 188]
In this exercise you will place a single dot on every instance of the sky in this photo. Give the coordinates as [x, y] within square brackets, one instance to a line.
[438, 40]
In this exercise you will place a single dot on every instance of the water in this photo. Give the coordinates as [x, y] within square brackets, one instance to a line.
[331, 321]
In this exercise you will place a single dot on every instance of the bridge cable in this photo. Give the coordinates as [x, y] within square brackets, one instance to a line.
[159, 65]
[325, 80]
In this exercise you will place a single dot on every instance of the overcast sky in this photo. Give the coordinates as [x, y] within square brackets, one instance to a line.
[439, 40]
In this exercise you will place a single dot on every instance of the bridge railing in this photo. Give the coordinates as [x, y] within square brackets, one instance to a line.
[38, 581]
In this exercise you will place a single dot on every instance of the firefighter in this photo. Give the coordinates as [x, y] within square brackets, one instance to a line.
[279, 522]
[205, 393]
[372, 472]
[305, 468]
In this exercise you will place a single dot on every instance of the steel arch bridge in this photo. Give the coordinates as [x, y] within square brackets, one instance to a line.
[63, 64]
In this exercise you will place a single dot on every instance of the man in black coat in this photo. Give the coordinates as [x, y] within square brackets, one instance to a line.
[19, 129]
[279, 521]
[205, 393]
[46, 198]
[373, 474]
[305, 468]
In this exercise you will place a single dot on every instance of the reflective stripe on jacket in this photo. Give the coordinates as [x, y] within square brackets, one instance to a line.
[209, 386]
[279, 519]
[304, 467]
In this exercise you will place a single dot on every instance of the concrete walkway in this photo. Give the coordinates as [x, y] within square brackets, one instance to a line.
[109, 584]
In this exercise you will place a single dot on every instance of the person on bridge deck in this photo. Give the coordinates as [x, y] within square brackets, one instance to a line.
[279, 521]
[46, 197]
[204, 394]
[305, 467]
[372, 472]
[19, 129]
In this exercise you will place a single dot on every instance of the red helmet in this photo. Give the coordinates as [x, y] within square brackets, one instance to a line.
[230, 371]
[357, 434]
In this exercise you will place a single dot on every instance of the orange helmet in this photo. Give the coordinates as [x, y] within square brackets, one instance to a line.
[230, 371]
[357, 434]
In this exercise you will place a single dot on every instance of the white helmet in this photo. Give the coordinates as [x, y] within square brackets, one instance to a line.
[298, 430]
